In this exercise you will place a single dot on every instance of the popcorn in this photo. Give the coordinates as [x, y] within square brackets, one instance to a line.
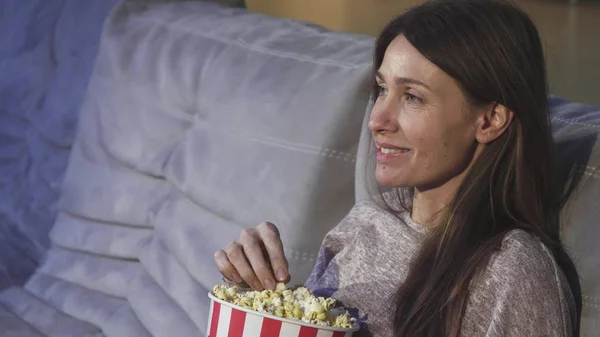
[298, 303]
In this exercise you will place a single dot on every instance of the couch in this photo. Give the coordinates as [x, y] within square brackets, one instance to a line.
[129, 156]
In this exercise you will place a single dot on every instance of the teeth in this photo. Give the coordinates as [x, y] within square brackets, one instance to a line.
[392, 151]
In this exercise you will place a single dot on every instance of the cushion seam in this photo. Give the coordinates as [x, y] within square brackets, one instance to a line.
[255, 48]
[34, 328]
[48, 304]
[575, 122]
[112, 296]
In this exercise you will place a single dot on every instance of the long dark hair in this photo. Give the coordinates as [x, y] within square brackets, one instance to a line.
[493, 50]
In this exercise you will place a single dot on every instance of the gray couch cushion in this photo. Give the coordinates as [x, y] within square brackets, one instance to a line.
[199, 120]
[247, 118]
[576, 127]
[47, 51]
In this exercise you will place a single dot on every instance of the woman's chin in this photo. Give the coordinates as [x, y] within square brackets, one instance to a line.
[387, 179]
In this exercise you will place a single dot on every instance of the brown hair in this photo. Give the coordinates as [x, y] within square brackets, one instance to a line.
[493, 50]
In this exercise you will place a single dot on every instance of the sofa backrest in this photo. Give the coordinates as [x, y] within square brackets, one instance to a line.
[576, 127]
[45, 63]
[250, 118]
[199, 121]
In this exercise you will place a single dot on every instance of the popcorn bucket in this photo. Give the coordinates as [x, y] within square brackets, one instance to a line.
[229, 320]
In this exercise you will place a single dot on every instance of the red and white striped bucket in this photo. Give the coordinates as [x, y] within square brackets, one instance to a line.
[229, 320]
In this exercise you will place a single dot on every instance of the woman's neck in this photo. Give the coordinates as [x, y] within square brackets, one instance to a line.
[427, 203]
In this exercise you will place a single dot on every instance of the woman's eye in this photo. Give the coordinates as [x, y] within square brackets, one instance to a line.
[412, 98]
[382, 91]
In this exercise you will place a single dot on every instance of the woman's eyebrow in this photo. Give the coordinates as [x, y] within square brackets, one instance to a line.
[403, 80]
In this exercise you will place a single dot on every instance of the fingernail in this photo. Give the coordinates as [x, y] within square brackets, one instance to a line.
[236, 277]
[281, 274]
[257, 285]
[269, 284]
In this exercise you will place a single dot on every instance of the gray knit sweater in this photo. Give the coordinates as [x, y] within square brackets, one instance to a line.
[365, 258]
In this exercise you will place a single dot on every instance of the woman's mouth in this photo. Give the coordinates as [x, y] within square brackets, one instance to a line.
[385, 150]
[388, 154]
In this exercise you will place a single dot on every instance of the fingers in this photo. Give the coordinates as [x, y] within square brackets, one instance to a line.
[256, 258]
[253, 247]
[269, 235]
[226, 268]
[237, 257]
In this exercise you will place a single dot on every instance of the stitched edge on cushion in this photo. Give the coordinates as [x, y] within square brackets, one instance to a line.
[300, 255]
[591, 299]
[255, 48]
[307, 148]
[345, 156]
[590, 171]
[575, 122]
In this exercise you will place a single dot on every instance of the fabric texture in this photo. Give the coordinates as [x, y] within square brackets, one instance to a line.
[243, 125]
[47, 50]
[366, 258]
[199, 120]
[576, 127]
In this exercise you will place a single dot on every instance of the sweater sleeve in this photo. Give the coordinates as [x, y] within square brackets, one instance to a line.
[522, 292]
[335, 240]
[323, 259]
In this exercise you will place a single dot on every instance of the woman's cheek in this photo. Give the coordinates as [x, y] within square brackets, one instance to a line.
[417, 132]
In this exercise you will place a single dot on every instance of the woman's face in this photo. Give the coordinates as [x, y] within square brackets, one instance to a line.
[422, 125]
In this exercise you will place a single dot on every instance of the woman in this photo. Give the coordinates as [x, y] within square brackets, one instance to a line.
[467, 243]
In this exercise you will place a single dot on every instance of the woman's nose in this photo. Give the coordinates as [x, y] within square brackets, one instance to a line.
[383, 119]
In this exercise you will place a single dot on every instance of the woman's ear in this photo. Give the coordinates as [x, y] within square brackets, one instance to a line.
[492, 122]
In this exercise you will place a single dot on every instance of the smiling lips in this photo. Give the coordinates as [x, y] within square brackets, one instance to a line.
[385, 150]
[387, 153]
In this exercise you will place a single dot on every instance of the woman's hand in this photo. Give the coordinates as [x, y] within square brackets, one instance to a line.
[256, 258]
